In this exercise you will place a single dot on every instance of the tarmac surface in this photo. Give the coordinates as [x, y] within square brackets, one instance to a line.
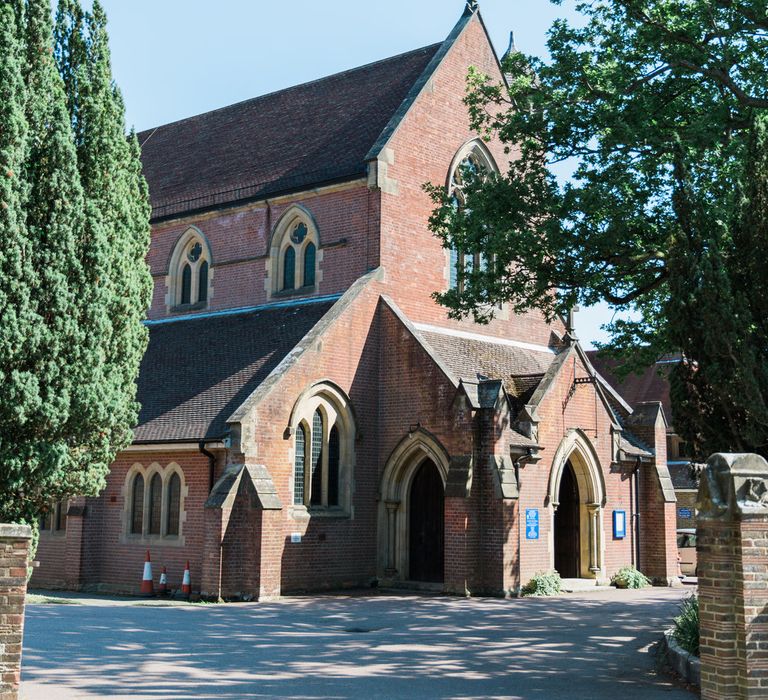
[592, 645]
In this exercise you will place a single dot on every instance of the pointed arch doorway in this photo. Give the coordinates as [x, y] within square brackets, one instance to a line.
[567, 526]
[426, 515]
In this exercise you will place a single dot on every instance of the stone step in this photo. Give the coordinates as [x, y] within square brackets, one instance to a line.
[571, 585]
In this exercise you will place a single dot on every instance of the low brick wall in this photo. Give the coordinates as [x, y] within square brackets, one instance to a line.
[14, 553]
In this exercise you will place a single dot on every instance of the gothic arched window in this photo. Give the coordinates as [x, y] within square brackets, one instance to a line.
[155, 503]
[189, 272]
[294, 255]
[323, 449]
[472, 161]
[173, 505]
[137, 505]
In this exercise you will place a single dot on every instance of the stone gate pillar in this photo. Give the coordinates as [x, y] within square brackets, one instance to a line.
[732, 549]
[14, 554]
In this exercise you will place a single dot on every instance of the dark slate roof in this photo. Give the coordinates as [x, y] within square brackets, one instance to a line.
[306, 135]
[196, 372]
[682, 478]
[520, 370]
[651, 385]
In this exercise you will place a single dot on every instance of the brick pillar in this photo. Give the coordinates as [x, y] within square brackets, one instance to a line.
[14, 555]
[210, 576]
[732, 547]
[271, 554]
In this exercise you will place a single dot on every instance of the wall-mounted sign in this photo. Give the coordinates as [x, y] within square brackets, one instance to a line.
[684, 513]
[619, 524]
[295, 537]
[532, 523]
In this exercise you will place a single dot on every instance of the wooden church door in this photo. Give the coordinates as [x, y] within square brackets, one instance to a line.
[426, 525]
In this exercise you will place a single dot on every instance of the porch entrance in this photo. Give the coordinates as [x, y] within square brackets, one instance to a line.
[567, 526]
[426, 525]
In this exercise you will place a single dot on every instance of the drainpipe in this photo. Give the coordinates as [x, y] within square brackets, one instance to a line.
[638, 462]
[211, 464]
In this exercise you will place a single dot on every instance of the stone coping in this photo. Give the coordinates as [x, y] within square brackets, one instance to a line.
[12, 531]
[687, 666]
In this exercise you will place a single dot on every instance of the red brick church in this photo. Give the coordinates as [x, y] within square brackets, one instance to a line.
[310, 418]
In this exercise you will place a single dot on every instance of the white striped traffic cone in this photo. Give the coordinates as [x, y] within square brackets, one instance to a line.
[146, 580]
[162, 589]
[186, 583]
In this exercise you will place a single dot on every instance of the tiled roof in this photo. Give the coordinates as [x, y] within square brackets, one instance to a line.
[520, 369]
[305, 135]
[196, 372]
[651, 385]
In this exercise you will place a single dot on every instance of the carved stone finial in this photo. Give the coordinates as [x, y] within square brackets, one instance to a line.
[732, 486]
[571, 325]
[511, 49]
[471, 7]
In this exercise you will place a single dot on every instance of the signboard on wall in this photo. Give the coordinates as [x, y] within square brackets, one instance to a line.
[619, 524]
[532, 523]
[684, 513]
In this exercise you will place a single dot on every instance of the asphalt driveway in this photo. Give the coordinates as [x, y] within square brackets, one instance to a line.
[591, 645]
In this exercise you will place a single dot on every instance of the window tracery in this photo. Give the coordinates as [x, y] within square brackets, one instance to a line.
[189, 272]
[294, 255]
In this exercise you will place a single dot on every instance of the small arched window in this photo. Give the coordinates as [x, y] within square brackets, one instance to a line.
[472, 162]
[299, 465]
[316, 462]
[333, 466]
[190, 271]
[173, 505]
[137, 505]
[155, 504]
[289, 268]
[309, 265]
[294, 253]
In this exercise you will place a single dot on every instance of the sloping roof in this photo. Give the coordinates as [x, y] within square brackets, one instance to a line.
[196, 372]
[519, 369]
[651, 385]
[310, 134]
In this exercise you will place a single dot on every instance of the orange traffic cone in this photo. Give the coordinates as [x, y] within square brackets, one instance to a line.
[186, 583]
[146, 580]
[162, 589]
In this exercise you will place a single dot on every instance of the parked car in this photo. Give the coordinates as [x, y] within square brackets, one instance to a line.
[686, 550]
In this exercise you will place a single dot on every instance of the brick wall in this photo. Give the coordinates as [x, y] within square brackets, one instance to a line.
[732, 548]
[14, 551]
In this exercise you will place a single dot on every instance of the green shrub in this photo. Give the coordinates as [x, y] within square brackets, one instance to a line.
[686, 629]
[629, 577]
[543, 583]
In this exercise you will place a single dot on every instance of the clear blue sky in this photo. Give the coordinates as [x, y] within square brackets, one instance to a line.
[176, 58]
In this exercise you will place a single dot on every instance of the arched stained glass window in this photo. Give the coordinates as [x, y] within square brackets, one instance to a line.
[137, 505]
[309, 265]
[155, 504]
[316, 487]
[186, 285]
[333, 467]
[299, 465]
[173, 505]
[289, 268]
[202, 282]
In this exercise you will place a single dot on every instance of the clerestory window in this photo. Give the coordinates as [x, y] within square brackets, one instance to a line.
[190, 272]
[294, 255]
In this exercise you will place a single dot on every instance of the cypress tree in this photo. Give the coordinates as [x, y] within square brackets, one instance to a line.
[74, 285]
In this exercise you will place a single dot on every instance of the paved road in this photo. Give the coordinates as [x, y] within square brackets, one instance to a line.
[583, 646]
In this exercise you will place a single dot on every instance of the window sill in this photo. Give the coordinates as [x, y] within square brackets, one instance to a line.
[156, 540]
[326, 513]
[299, 292]
[184, 308]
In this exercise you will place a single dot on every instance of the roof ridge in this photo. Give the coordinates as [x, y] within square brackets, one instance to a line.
[151, 130]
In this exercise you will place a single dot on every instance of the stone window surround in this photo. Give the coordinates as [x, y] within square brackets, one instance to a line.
[173, 280]
[281, 241]
[163, 539]
[336, 410]
[58, 513]
[479, 152]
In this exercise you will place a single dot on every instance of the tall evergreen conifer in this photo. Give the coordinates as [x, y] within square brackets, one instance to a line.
[74, 284]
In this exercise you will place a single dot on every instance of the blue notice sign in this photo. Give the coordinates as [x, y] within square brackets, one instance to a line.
[532, 523]
[684, 513]
[619, 524]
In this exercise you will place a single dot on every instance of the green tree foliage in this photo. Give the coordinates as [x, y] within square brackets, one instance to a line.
[73, 281]
[659, 109]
